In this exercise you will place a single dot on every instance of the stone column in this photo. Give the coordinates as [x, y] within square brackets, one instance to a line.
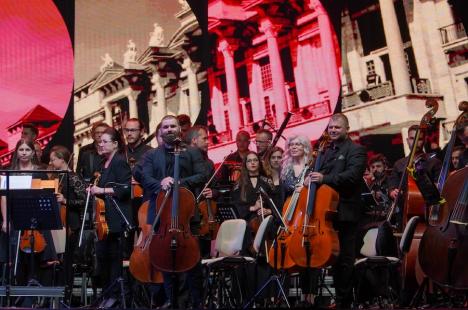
[158, 108]
[328, 51]
[396, 53]
[194, 99]
[132, 103]
[108, 113]
[279, 93]
[227, 49]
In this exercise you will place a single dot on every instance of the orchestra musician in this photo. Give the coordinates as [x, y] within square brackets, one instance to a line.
[263, 138]
[114, 188]
[157, 175]
[342, 168]
[24, 158]
[89, 159]
[134, 130]
[296, 156]
[231, 170]
[197, 137]
[430, 165]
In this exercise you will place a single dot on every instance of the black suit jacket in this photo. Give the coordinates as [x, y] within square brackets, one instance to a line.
[343, 169]
[118, 172]
[193, 173]
[89, 162]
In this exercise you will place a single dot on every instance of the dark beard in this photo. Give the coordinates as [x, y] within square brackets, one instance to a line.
[170, 138]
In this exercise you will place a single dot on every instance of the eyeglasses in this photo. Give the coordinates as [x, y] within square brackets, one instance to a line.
[104, 141]
[295, 144]
[131, 129]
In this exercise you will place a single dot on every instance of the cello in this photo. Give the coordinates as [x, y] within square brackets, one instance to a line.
[278, 255]
[445, 238]
[315, 242]
[173, 248]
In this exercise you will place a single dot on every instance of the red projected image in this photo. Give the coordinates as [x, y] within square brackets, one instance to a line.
[270, 58]
[36, 71]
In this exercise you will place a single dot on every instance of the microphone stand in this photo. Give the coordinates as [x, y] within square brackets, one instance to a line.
[274, 277]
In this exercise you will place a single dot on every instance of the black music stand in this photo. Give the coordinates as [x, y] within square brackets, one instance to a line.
[226, 213]
[34, 209]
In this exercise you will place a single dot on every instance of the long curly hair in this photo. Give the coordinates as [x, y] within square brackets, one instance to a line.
[287, 158]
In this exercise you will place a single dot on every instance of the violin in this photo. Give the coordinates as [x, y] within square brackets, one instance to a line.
[102, 229]
[315, 242]
[173, 248]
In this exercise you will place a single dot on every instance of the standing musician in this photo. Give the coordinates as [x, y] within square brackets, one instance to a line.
[75, 188]
[157, 175]
[197, 137]
[297, 155]
[114, 188]
[231, 169]
[89, 159]
[24, 158]
[430, 165]
[342, 168]
[263, 139]
[135, 148]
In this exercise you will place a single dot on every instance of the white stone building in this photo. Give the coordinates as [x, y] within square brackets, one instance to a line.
[396, 55]
[163, 79]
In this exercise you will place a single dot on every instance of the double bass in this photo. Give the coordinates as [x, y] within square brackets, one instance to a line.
[443, 251]
[315, 242]
[173, 248]
[414, 205]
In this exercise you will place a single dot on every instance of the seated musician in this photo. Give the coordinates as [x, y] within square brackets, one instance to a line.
[431, 166]
[378, 180]
[24, 158]
[114, 188]
[342, 168]
[457, 157]
[157, 175]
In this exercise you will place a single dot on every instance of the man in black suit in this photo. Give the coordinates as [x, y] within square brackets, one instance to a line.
[342, 168]
[157, 175]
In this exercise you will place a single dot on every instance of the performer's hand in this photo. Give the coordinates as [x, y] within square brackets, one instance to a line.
[60, 198]
[96, 190]
[316, 177]
[208, 193]
[167, 182]
[4, 226]
[256, 206]
[394, 193]
[266, 212]
[299, 187]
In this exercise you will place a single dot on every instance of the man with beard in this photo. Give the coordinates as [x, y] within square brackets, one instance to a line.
[342, 168]
[157, 175]
[135, 148]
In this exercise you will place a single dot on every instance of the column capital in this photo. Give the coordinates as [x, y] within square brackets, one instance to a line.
[133, 94]
[269, 28]
[227, 46]
[188, 64]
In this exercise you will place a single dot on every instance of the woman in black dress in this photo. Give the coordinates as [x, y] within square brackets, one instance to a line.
[114, 188]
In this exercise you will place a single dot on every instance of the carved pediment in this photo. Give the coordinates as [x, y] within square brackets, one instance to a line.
[108, 75]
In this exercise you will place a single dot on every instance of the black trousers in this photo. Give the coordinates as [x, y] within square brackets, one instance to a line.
[344, 267]
[109, 258]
